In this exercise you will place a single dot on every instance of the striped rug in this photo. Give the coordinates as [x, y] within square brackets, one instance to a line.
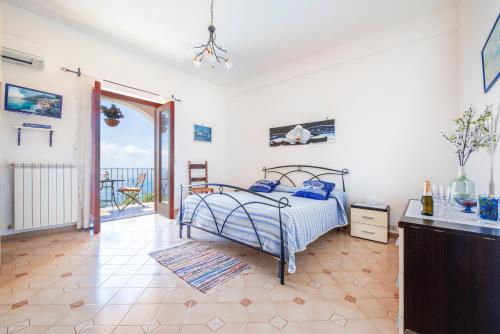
[201, 266]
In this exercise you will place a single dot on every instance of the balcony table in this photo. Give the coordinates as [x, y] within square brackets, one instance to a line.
[110, 183]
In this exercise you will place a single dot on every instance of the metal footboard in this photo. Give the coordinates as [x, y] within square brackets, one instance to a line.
[219, 226]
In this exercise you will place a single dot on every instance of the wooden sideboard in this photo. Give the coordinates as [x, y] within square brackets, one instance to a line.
[449, 277]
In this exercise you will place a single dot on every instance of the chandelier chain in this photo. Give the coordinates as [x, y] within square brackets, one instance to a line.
[212, 13]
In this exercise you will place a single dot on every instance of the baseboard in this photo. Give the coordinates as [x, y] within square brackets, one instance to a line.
[37, 233]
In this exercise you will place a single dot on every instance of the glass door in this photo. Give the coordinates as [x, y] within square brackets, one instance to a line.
[164, 159]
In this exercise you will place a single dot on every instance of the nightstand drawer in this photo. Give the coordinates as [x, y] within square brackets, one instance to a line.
[369, 217]
[369, 232]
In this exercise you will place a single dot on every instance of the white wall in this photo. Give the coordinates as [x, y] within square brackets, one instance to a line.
[476, 21]
[390, 94]
[63, 46]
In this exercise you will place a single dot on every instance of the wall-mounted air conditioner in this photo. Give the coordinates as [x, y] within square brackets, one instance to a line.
[22, 58]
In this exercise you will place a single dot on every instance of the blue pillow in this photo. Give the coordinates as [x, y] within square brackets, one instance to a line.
[264, 186]
[315, 189]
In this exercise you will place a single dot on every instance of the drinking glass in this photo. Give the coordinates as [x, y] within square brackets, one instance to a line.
[446, 198]
[435, 198]
[435, 192]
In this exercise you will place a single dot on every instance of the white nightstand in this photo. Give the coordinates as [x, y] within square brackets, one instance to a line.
[370, 221]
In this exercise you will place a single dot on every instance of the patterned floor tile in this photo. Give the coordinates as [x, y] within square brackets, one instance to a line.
[299, 301]
[215, 324]
[80, 283]
[76, 304]
[350, 298]
[314, 285]
[15, 327]
[245, 302]
[151, 327]
[190, 303]
[19, 304]
[268, 286]
[278, 322]
[84, 326]
[338, 320]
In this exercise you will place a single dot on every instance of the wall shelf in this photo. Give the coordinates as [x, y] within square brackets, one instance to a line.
[20, 128]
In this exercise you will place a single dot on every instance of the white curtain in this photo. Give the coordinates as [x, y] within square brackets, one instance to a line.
[83, 150]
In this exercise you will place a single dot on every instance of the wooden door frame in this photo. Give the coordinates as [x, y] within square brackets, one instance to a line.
[95, 195]
[97, 93]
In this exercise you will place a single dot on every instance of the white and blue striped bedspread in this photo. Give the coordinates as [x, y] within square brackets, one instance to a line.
[303, 222]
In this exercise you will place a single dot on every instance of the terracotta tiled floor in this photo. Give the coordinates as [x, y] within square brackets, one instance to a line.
[75, 282]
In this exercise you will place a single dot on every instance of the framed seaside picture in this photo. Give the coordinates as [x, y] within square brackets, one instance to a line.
[32, 101]
[202, 133]
[303, 134]
[491, 57]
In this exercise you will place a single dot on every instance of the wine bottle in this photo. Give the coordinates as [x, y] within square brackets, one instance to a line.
[427, 201]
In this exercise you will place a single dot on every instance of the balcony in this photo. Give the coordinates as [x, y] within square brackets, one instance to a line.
[113, 202]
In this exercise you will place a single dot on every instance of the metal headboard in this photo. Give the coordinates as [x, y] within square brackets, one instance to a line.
[314, 172]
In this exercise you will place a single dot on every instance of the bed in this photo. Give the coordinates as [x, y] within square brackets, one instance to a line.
[275, 223]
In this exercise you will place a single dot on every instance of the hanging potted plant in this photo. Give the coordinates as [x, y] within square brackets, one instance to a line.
[470, 135]
[112, 115]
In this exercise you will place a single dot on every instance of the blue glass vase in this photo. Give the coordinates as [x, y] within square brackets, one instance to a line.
[488, 207]
[462, 189]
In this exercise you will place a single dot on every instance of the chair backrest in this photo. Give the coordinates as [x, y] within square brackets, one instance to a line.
[140, 180]
[198, 179]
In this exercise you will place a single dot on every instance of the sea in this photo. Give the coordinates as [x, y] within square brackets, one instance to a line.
[15, 103]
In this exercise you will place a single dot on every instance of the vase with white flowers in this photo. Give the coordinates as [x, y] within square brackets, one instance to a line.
[471, 134]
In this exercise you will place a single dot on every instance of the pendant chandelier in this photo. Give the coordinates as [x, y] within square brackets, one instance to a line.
[210, 50]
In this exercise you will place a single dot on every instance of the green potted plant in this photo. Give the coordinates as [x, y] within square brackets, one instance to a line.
[470, 135]
[112, 115]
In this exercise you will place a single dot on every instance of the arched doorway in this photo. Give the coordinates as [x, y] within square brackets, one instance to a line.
[127, 162]
[163, 184]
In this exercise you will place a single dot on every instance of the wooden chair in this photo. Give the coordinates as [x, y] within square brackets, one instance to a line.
[131, 193]
[203, 179]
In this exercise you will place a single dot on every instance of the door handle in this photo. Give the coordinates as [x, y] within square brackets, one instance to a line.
[367, 217]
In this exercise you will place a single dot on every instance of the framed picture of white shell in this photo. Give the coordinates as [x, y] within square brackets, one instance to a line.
[302, 134]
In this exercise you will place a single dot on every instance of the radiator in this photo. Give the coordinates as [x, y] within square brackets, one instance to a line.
[45, 195]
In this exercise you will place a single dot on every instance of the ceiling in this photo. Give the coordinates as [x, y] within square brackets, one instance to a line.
[259, 34]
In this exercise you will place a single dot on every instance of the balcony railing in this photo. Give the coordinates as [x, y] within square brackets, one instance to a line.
[129, 177]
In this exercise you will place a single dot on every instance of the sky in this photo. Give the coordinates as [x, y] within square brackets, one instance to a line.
[130, 143]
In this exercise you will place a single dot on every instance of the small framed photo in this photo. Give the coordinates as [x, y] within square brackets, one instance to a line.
[491, 57]
[202, 133]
